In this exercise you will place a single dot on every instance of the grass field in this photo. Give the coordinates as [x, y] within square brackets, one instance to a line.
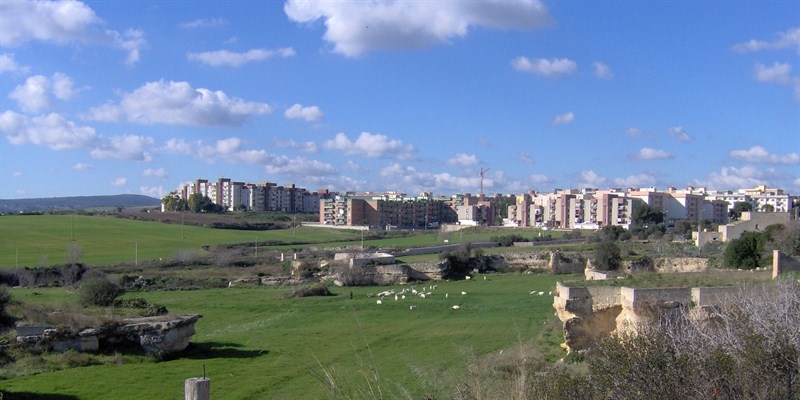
[257, 346]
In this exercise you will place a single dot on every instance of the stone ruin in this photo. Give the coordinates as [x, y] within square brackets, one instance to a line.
[156, 336]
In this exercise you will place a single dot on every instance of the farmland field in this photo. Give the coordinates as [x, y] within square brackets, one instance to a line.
[255, 345]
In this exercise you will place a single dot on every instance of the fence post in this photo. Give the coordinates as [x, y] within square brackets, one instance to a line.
[197, 389]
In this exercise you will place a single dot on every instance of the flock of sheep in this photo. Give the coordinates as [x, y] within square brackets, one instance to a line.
[424, 292]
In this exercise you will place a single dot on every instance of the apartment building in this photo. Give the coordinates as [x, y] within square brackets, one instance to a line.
[386, 210]
[265, 196]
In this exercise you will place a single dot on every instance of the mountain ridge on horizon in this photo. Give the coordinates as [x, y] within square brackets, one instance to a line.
[75, 203]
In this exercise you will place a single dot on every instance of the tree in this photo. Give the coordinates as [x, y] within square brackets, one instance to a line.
[201, 203]
[607, 256]
[767, 208]
[738, 208]
[745, 252]
[646, 214]
[173, 202]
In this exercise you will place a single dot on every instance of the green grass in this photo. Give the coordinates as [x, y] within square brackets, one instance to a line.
[256, 346]
[40, 240]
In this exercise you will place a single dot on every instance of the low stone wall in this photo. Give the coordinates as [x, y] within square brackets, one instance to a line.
[153, 336]
[590, 314]
[783, 264]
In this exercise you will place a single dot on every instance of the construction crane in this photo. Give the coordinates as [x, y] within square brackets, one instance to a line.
[483, 171]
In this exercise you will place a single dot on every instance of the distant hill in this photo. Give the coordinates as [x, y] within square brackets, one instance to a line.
[77, 203]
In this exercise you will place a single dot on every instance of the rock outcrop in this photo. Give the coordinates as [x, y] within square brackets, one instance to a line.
[152, 336]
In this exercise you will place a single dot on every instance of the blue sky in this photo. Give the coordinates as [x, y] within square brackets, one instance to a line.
[141, 96]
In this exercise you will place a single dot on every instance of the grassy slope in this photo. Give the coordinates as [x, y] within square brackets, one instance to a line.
[264, 347]
[108, 240]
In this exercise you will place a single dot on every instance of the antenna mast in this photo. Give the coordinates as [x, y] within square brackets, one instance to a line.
[483, 171]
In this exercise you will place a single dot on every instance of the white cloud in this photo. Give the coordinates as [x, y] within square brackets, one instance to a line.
[62, 86]
[355, 28]
[152, 191]
[225, 58]
[82, 166]
[121, 181]
[564, 119]
[307, 146]
[679, 134]
[155, 173]
[543, 67]
[372, 146]
[784, 40]
[177, 103]
[51, 130]
[780, 73]
[204, 23]
[9, 64]
[636, 181]
[62, 22]
[298, 167]
[298, 111]
[525, 157]
[127, 147]
[760, 155]
[539, 179]
[418, 181]
[464, 160]
[647, 153]
[730, 178]
[634, 132]
[602, 71]
[590, 179]
[32, 96]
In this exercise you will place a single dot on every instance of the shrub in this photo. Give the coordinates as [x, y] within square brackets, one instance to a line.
[144, 307]
[744, 252]
[318, 289]
[98, 291]
[607, 256]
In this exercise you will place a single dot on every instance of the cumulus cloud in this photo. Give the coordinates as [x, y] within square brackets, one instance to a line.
[32, 96]
[730, 178]
[82, 166]
[783, 40]
[121, 181]
[298, 111]
[464, 160]
[225, 58]
[760, 155]
[543, 67]
[155, 173]
[679, 134]
[647, 153]
[780, 73]
[636, 181]
[127, 147]
[62, 22]
[51, 130]
[227, 150]
[152, 191]
[372, 146]
[355, 28]
[591, 179]
[9, 64]
[416, 180]
[178, 103]
[564, 119]
[602, 71]
[307, 146]
[298, 167]
[204, 23]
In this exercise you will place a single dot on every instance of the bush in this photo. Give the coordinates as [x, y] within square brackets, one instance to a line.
[98, 291]
[744, 252]
[607, 256]
[144, 307]
[318, 289]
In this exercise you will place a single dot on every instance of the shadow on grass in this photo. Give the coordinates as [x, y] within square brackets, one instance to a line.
[208, 350]
[35, 396]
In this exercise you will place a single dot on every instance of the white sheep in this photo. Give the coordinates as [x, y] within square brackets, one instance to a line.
[422, 295]
[396, 298]
[456, 307]
[446, 295]
[463, 293]
[468, 277]
[532, 292]
[541, 293]
[412, 307]
[378, 302]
